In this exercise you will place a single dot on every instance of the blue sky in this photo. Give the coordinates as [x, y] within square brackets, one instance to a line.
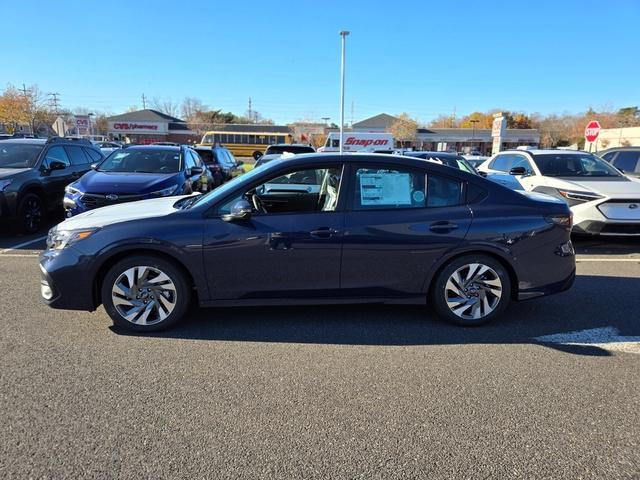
[421, 57]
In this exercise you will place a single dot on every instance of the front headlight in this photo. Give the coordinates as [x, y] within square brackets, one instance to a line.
[71, 190]
[58, 239]
[166, 192]
[4, 184]
[579, 196]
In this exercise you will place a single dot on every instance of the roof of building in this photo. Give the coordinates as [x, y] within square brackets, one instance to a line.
[382, 120]
[147, 115]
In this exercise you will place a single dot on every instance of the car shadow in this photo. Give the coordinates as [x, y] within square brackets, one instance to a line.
[593, 302]
[590, 245]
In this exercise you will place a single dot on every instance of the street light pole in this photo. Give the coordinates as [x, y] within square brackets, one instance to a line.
[343, 34]
[473, 131]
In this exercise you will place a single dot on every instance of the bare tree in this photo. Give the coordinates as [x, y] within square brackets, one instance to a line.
[166, 106]
[190, 108]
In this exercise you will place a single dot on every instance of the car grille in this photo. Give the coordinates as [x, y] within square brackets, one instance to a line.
[91, 200]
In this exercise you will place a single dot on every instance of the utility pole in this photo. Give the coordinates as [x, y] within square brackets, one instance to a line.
[250, 111]
[55, 102]
[473, 134]
[26, 98]
[144, 102]
[343, 34]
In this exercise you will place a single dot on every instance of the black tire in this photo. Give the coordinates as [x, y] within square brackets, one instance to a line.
[474, 293]
[257, 155]
[182, 297]
[31, 214]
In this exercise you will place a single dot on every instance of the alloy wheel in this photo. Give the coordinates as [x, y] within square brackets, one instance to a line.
[33, 214]
[473, 291]
[144, 295]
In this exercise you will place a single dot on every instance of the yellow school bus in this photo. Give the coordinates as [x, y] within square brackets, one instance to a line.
[246, 143]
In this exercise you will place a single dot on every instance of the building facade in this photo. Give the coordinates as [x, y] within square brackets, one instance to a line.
[452, 139]
[149, 126]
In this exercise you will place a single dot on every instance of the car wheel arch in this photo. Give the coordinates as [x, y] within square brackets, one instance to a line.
[121, 254]
[497, 255]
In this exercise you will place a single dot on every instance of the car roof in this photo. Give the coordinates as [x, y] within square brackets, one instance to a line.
[373, 158]
[616, 149]
[543, 151]
[170, 148]
[290, 145]
[413, 153]
[27, 141]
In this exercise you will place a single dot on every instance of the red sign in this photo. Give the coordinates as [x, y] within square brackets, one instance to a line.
[365, 142]
[133, 126]
[592, 131]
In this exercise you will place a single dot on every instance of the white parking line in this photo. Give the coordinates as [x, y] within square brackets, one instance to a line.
[607, 338]
[586, 259]
[21, 255]
[20, 245]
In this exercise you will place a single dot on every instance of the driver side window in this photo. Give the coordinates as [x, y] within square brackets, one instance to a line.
[56, 154]
[299, 191]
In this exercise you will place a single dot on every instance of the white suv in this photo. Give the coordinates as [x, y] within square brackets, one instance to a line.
[603, 200]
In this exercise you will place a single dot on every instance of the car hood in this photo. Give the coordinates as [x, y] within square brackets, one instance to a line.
[10, 172]
[124, 183]
[611, 187]
[123, 212]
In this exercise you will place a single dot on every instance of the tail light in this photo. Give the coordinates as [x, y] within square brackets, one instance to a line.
[564, 220]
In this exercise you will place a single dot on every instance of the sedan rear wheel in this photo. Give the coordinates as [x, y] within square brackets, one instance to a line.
[472, 290]
[145, 294]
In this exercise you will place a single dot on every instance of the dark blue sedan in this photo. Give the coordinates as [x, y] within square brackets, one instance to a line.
[137, 173]
[316, 229]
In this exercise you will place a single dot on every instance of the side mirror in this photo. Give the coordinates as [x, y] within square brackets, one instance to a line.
[518, 171]
[196, 171]
[241, 210]
[239, 163]
[94, 166]
[482, 174]
[55, 165]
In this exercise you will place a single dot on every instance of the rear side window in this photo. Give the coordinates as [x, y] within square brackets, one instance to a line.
[393, 187]
[628, 161]
[77, 156]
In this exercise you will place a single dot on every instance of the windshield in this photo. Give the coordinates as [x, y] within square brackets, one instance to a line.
[574, 165]
[142, 161]
[273, 149]
[14, 155]
[224, 189]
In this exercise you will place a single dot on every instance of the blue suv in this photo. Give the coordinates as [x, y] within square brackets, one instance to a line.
[138, 173]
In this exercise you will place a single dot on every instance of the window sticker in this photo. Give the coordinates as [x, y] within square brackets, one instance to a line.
[385, 188]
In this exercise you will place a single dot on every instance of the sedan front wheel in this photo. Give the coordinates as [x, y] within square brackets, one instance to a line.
[145, 293]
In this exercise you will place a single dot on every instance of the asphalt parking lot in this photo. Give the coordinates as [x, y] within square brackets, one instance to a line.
[548, 391]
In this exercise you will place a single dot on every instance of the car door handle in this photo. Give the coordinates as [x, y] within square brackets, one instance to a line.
[443, 227]
[323, 232]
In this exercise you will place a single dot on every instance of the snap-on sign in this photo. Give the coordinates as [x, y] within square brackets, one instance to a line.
[365, 142]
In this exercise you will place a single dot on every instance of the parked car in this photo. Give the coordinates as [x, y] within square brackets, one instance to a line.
[280, 148]
[107, 147]
[137, 173]
[316, 229]
[448, 159]
[475, 160]
[603, 201]
[625, 159]
[34, 173]
[221, 162]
